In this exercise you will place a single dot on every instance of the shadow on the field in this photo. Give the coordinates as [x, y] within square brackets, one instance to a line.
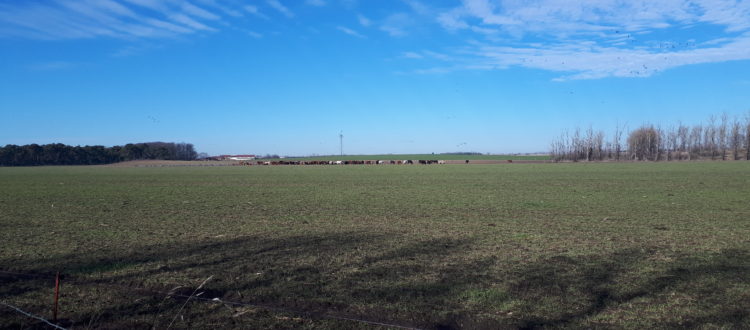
[361, 275]
[387, 279]
[687, 292]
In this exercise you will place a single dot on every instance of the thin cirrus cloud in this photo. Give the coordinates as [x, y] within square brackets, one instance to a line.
[52, 66]
[396, 24]
[596, 39]
[588, 39]
[412, 55]
[316, 3]
[364, 21]
[255, 12]
[587, 62]
[350, 32]
[127, 19]
[276, 4]
[199, 12]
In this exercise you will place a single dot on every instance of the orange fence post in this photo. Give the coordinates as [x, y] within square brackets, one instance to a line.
[57, 294]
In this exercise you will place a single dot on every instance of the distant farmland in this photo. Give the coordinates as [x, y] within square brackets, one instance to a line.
[423, 156]
[585, 245]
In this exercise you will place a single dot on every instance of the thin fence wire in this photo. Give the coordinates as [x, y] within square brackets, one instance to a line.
[31, 315]
[158, 293]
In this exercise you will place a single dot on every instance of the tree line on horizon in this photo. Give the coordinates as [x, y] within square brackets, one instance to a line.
[61, 154]
[720, 137]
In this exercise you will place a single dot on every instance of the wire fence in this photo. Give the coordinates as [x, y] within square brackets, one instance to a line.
[161, 294]
[31, 315]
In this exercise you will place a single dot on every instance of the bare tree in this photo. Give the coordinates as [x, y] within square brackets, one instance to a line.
[735, 138]
[722, 135]
[670, 136]
[599, 145]
[643, 143]
[617, 141]
[558, 150]
[577, 145]
[589, 144]
[682, 135]
[660, 144]
[561, 148]
[695, 137]
[709, 137]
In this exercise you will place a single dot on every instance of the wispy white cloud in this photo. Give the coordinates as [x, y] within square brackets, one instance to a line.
[316, 3]
[126, 19]
[584, 39]
[75, 19]
[584, 61]
[350, 4]
[254, 11]
[418, 7]
[276, 4]
[435, 70]
[590, 16]
[198, 12]
[453, 20]
[411, 55]
[254, 34]
[52, 66]
[364, 21]
[135, 49]
[594, 38]
[190, 22]
[428, 54]
[438, 56]
[150, 4]
[396, 24]
[350, 32]
[226, 9]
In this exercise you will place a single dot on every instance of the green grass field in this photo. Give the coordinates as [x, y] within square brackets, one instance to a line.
[632, 245]
[422, 156]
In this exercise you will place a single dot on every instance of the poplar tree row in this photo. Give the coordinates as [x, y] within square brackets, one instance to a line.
[719, 138]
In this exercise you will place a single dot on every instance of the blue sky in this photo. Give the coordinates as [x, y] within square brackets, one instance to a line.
[396, 76]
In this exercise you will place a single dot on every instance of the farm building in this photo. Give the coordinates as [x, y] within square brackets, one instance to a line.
[241, 157]
[232, 157]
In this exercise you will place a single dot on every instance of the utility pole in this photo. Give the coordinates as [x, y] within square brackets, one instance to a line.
[341, 143]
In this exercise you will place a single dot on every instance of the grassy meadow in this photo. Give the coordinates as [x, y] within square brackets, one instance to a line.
[601, 245]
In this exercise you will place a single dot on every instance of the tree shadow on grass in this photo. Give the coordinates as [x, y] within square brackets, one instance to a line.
[582, 292]
[385, 278]
[360, 275]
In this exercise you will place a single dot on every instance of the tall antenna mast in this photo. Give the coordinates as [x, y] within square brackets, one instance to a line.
[341, 143]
